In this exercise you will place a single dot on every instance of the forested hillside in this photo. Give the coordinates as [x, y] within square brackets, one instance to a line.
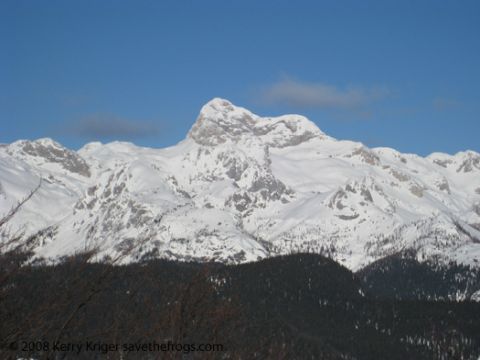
[300, 306]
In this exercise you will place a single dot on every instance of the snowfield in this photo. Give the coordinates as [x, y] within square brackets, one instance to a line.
[240, 188]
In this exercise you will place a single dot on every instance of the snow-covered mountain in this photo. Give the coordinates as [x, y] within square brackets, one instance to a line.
[242, 187]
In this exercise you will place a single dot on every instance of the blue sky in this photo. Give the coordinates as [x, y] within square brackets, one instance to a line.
[403, 74]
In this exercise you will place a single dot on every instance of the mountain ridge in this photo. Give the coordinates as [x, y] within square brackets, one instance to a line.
[241, 187]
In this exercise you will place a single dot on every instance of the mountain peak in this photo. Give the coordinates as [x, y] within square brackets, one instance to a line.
[48, 151]
[219, 103]
[224, 112]
[220, 121]
[48, 142]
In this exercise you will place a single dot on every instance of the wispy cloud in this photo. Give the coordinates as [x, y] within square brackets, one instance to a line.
[442, 104]
[98, 126]
[320, 95]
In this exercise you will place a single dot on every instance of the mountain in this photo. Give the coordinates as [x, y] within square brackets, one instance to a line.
[402, 277]
[241, 188]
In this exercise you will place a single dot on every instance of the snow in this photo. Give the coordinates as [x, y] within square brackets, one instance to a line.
[242, 187]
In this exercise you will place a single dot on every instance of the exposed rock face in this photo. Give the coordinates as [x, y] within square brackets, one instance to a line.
[416, 190]
[52, 152]
[471, 162]
[367, 156]
[400, 176]
[219, 121]
[476, 208]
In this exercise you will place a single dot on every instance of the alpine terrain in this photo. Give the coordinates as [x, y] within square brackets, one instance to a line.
[241, 188]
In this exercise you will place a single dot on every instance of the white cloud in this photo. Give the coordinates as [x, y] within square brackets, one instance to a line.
[320, 95]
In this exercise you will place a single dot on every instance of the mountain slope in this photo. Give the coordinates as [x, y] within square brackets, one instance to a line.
[302, 306]
[242, 187]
